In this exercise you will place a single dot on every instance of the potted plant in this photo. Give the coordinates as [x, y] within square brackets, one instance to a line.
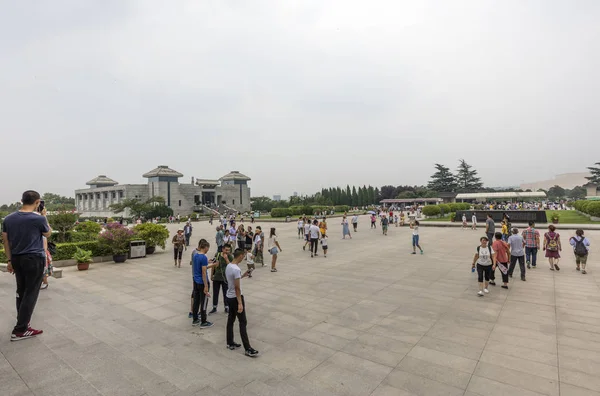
[555, 218]
[115, 238]
[83, 258]
[154, 235]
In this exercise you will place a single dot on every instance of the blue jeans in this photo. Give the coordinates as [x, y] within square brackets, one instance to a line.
[531, 255]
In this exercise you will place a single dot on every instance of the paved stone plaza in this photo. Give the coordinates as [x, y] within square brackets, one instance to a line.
[370, 319]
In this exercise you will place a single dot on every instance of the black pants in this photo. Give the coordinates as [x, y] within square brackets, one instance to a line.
[187, 239]
[29, 272]
[241, 244]
[373, 225]
[504, 276]
[200, 302]
[355, 225]
[220, 248]
[219, 285]
[314, 245]
[484, 270]
[513, 263]
[233, 313]
[490, 236]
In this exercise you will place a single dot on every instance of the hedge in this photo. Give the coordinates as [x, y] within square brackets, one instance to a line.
[65, 251]
[432, 210]
[341, 208]
[281, 212]
[591, 208]
[301, 210]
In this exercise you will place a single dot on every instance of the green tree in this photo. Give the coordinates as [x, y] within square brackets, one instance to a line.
[466, 178]
[407, 194]
[376, 196]
[577, 193]
[62, 223]
[595, 171]
[442, 180]
[354, 196]
[556, 192]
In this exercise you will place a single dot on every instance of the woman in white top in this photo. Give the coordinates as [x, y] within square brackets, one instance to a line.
[474, 222]
[274, 249]
[415, 238]
[258, 246]
[300, 228]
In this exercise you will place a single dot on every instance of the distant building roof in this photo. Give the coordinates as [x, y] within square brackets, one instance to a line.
[409, 200]
[162, 170]
[499, 195]
[102, 180]
[235, 175]
[201, 182]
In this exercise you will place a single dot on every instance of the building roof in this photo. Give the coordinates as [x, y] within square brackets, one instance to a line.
[201, 182]
[499, 195]
[409, 200]
[162, 170]
[235, 175]
[101, 180]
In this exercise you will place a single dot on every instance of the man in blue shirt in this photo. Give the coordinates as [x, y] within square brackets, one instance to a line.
[201, 294]
[22, 234]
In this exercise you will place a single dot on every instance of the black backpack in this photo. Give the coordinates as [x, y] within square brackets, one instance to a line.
[580, 249]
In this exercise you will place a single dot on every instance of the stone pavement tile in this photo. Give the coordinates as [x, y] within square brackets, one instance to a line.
[443, 359]
[504, 337]
[338, 331]
[374, 354]
[15, 387]
[577, 378]
[569, 340]
[571, 390]
[469, 352]
[528, 324]
[519, 364]
[386, 390]
[420, 386]
[488, 387]
[348, 375]
[579, 334]
[510, 349]
[71, 385]
[296, 357]
[444, 374]
[353, 324]
[140, 305]
[565, 325]
[581, 364]
[161, 313]
[409, 337]
[578, 353]
[471, 332]
[578, 319]
[324, 339]
[518, 378]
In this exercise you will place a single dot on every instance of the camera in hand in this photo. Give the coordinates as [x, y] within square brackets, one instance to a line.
[41, 206]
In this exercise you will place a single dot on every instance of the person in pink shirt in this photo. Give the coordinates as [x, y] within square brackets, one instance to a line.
[502, 258]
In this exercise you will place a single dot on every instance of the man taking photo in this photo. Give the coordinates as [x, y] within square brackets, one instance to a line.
[22, 233]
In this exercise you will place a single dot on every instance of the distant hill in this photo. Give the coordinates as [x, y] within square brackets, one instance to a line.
[565, 180]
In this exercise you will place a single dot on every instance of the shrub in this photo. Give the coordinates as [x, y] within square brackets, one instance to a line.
[65, 251]
[281, 212]
[341, 208]
[85, 231]
[301, 210]
[153, 234]
[432, 210]
[83, 256]
[116, 238]
[444, 208]
[593, 208]
[62, 223]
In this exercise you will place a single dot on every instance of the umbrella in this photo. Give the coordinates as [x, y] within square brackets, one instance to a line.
[371, 212]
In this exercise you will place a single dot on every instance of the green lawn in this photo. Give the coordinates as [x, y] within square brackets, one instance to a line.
[570, 217]
[566, 217]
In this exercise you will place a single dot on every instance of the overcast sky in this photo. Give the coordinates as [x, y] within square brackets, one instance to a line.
[298, 95]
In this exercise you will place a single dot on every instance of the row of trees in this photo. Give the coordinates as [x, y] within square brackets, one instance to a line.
[154, 207]
[464, 180]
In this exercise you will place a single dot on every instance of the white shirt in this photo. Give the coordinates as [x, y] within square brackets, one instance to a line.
[464, 219]
[306, 228]
[300, 224]
[232, 272]
[485, 258]
[354, 219]
[474, 219]
[324, 241]
[257, 238]
[416, 230]
[249, 259]
[271, 242]
[314, 231]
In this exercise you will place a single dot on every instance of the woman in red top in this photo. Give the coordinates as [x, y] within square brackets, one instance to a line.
[552, 247]
[502, 257]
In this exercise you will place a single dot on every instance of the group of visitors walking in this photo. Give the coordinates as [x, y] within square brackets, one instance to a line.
[496, 251]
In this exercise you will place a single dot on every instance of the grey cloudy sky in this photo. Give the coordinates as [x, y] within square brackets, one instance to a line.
[298, 95]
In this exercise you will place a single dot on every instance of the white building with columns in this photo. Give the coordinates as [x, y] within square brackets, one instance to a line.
[230, 191]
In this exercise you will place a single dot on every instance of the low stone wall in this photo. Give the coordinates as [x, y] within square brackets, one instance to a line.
[70, 263]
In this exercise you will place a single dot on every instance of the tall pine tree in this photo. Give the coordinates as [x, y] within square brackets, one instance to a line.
[595, 171]
[466, 178]
[442, 180]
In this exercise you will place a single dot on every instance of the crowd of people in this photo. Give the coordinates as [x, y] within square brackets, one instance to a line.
[497, 251]
[28, 254]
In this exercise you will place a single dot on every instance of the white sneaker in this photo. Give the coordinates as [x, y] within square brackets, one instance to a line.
[486, 291]
[480, 293]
